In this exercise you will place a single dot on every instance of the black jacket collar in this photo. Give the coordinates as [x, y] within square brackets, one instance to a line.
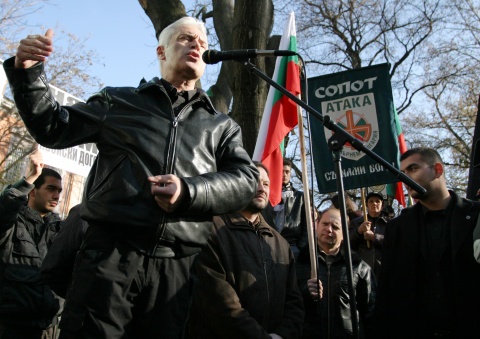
[156, 83]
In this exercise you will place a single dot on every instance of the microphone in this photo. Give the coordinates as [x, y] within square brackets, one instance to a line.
[212, 56]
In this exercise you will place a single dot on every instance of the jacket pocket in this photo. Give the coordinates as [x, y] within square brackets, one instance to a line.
[102, 180]
[24, 248]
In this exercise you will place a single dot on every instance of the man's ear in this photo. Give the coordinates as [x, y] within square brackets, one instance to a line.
[161, 52]
[439, 170]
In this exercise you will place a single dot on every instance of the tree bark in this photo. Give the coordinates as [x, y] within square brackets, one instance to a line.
[251, 29]
[163, 13]
[221, 91]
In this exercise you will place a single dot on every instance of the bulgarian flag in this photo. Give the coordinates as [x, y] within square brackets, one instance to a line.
[396, 190]
[280, 113]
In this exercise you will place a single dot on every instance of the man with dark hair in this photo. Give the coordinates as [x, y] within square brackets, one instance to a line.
[289, 217]
[366, 236]
[247, 285]
[428, 284]
[167, 162]
[28, 226]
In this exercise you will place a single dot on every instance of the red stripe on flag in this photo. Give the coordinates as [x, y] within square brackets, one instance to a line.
[399, 195]
[283, 119]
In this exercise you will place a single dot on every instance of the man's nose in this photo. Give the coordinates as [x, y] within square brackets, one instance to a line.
[195, 44]
[261, 188]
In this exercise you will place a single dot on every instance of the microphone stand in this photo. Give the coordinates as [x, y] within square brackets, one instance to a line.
[335, 144]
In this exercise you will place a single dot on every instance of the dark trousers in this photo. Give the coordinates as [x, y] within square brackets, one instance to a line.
[25, 332]
[118, 292]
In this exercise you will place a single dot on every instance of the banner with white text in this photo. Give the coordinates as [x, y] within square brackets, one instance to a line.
[359, 101]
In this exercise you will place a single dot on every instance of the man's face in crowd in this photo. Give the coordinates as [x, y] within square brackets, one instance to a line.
[260, 200]
[421, 172]
[46, 197]
[287, 172]
[374, 206]
[182, 58]
[329, 230]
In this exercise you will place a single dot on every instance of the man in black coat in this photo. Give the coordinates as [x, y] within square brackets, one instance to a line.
[429, 280]
[247, 286]
[327, 299]
[366, 237]
[167, 162]
[28, 226]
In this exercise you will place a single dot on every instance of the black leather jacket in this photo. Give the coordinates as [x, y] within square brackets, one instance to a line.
[24, 299]
[331, 317]
[138, 135]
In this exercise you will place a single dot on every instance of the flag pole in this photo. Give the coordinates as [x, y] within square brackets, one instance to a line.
[306, 197]
[365, 212]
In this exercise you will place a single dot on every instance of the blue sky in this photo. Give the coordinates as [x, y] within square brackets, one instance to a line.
[119, 31]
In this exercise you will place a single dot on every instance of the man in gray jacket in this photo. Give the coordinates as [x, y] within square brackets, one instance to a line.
[167, 163]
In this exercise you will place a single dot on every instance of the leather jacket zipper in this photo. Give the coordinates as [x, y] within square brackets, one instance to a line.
[170, 162]
[173, 136]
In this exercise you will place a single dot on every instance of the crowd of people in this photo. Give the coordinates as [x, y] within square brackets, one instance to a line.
[175, 237]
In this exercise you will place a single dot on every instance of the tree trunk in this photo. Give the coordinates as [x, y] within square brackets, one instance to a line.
[163, 13]
[251, 29]
[222, 20]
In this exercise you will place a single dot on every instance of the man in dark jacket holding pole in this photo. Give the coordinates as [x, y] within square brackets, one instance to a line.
[366, 236]
[327, 299]
[167, 163]
[28, 226]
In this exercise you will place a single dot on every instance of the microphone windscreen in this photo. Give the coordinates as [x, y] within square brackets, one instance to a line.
[209, 56]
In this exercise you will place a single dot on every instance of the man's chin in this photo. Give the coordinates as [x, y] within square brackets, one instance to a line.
[256, 206]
